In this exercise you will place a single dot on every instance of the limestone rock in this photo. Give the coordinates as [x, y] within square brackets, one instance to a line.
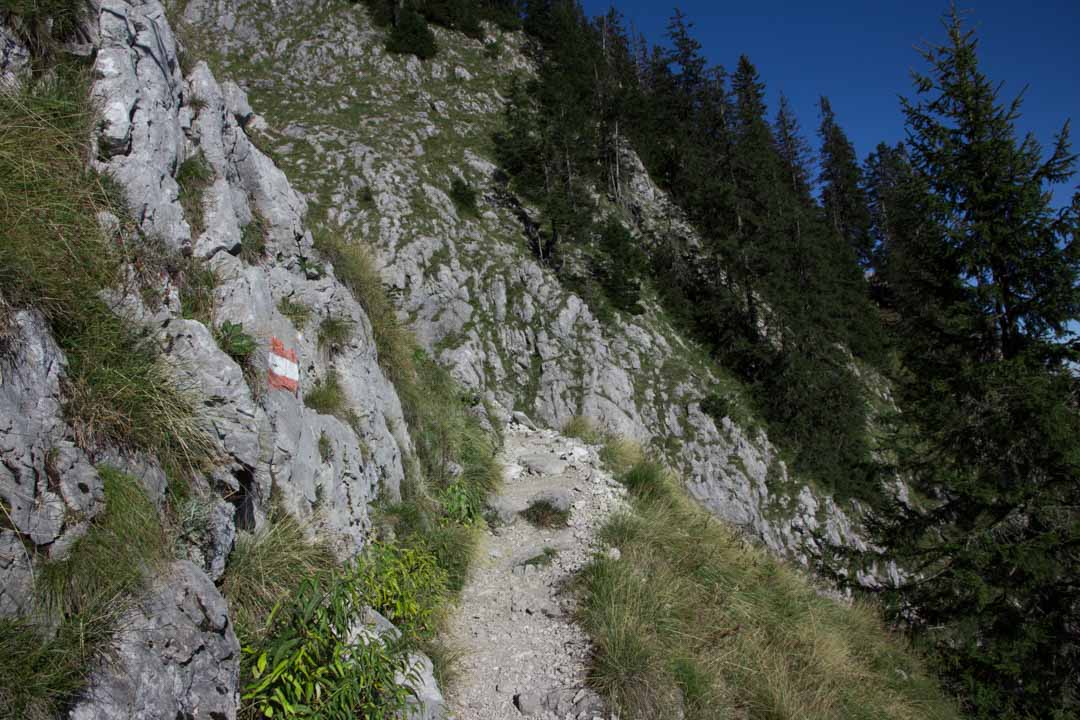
[14, 58]
[48, 487]
[177, 656]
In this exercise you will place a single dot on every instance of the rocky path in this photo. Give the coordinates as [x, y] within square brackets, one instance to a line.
[522, 653]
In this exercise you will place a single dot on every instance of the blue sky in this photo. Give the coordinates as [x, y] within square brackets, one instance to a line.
[860, 55]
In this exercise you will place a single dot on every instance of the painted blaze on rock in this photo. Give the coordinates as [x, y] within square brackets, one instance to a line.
[284, 367]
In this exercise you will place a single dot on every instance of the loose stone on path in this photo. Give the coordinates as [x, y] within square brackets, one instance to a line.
[523, 656]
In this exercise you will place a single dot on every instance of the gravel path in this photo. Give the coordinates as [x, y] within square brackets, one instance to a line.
[523, 655]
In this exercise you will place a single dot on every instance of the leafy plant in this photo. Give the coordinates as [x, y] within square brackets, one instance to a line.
[236, 343]
[312, 666]
[403, 584]
[460, 504]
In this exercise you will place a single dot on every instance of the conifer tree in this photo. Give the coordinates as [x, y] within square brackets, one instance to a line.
[986, 285]
[842, 192]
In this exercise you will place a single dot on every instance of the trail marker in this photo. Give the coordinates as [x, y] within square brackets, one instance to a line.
[284, 367]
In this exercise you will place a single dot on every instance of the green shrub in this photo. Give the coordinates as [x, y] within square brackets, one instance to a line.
[118, 391]
[326, 450]
[334, 332]
[45, 659]
[296, 311]
[308, 667]
[464, 197]
[236, 343]
[194, 176]
[544, 514]
[411, 35]
[405, 585]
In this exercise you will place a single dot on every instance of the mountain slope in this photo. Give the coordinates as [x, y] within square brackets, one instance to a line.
[375, 142]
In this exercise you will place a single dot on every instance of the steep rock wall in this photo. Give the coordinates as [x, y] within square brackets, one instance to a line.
[177, 654]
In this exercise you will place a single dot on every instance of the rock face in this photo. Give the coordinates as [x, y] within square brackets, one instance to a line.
[379, 140]
[176, 656]
[14, 58]
[154, 121]
[48, 488]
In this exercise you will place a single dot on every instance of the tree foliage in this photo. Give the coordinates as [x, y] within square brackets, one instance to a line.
[982, 273]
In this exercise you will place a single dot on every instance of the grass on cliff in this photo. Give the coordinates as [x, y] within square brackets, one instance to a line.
[45, 658]
[453, 468]
[691, 605]
[55, 257]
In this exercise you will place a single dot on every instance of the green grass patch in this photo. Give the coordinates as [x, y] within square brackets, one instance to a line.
[196, 284]
[253, 239]
[326, 449]
[45, 659]
[297, 312]
[543, 514]
[355, 267]
[266, 567]
[54, 256]
[334, 333]
[617, 453]
[328, 398]
[583, 429]
[194, 176]
[692, 605]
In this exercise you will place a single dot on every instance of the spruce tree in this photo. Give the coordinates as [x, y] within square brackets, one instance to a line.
[986, 284]
[842, 193]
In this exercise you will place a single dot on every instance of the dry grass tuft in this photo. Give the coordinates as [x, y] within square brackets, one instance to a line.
[690, 605]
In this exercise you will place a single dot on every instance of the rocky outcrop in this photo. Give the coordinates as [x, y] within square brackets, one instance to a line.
[155, 120]
[176, 656]
[14, 58]
[379, 140]
[48, 489]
